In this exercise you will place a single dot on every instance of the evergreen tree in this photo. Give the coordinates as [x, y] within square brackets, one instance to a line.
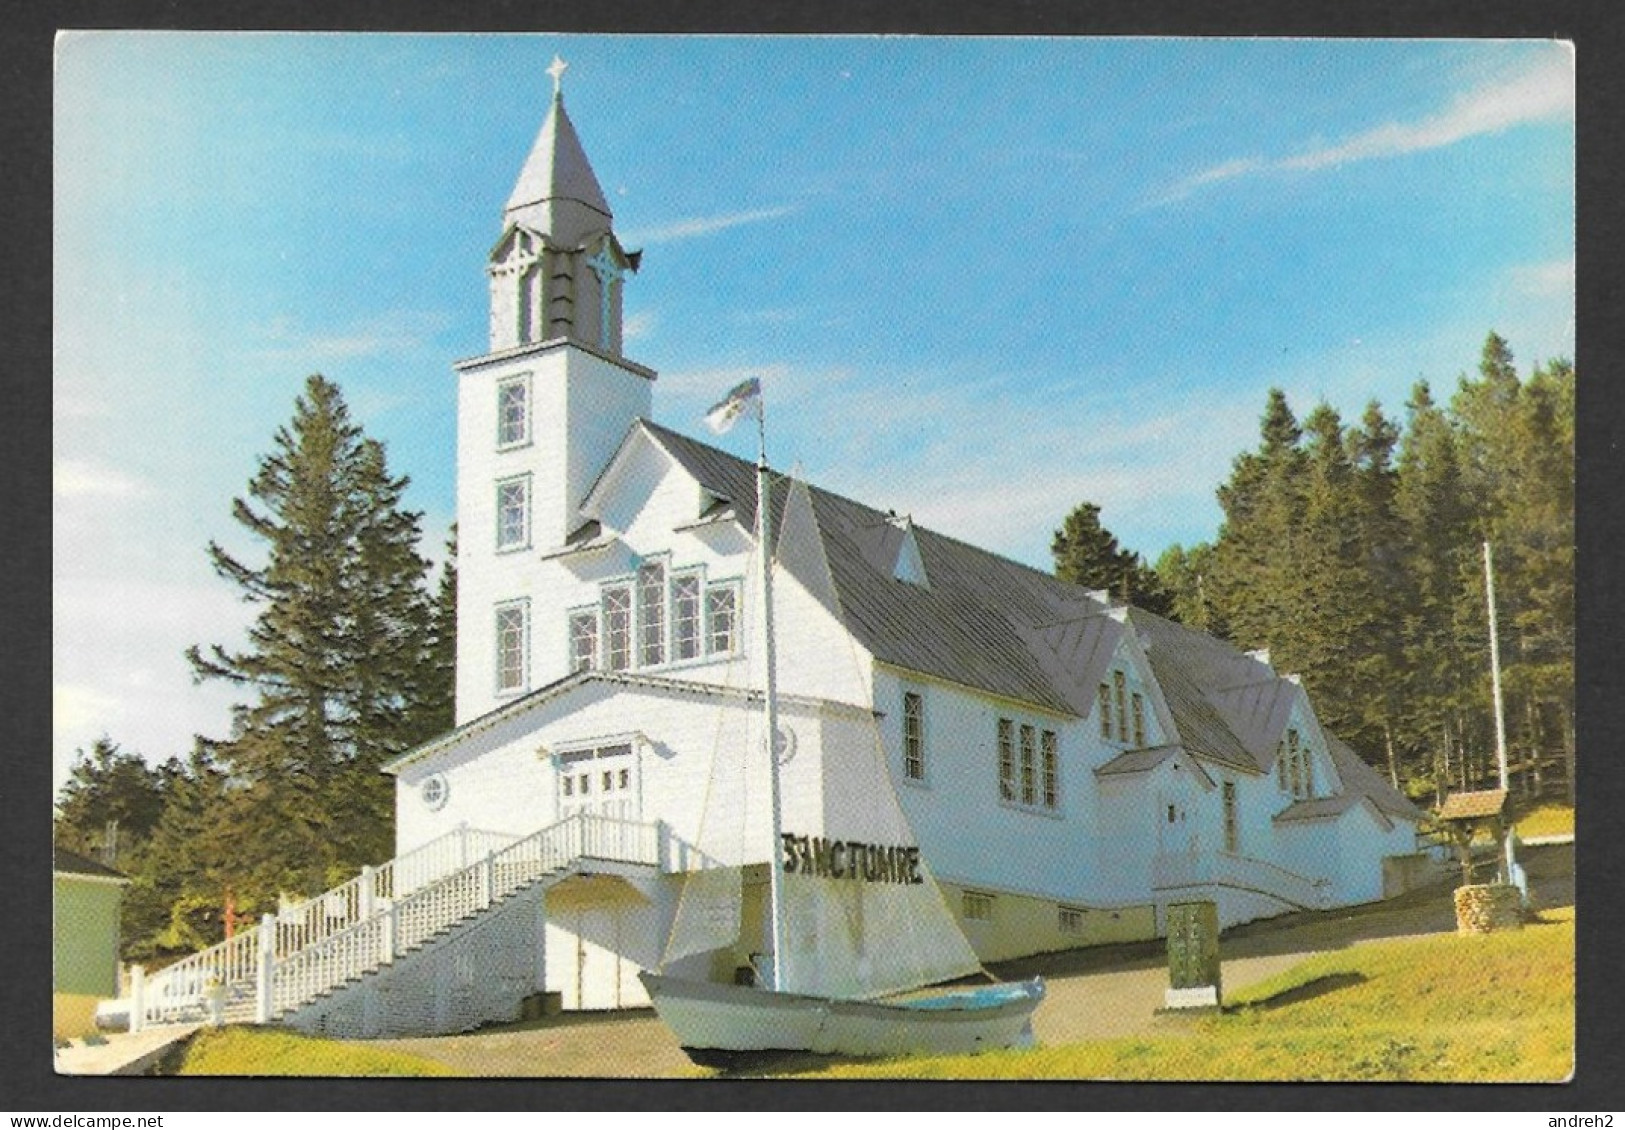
[1254, 583]
[437, 700]
[1519, 470]
[1438, 522]
[335, 656]
[1087, 554]
[109, 804]
[186, 871]
[1380, 668]
[1183, 573]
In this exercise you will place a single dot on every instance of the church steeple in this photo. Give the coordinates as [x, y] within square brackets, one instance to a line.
[558, 270]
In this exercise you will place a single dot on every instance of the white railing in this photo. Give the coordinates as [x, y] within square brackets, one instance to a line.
[182, 991]
[312, 947]
[1219, 868]
[415, 918]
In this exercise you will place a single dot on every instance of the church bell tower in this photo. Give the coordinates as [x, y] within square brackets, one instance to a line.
[540, 414]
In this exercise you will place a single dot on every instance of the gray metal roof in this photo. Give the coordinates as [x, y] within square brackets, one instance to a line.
[1358, 777]
[1137, 760]
[67, 862]
[1011, 630]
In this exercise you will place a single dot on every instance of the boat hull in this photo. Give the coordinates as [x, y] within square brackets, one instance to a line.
[733, 1020]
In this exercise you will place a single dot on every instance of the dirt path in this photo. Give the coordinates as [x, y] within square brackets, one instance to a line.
[1098, 993]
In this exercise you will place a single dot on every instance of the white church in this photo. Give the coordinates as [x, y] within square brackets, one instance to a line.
[1068, 766]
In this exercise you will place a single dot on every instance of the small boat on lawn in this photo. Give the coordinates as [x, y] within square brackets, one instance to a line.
[863, 956]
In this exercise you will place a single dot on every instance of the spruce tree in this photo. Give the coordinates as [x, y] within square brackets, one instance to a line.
[335, 656]
[1254, 583]
[1086, 553]
[1381, 670]
[1184, 574]
[109, 804]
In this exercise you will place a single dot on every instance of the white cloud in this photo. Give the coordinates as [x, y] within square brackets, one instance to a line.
[1544, 91]
[1544, 280]
[73, 478]
[716, 382]
[78, 710]
[703, 225]
[638, 325]
[389, 334]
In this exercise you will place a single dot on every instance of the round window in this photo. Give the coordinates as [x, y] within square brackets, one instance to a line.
[433, 791]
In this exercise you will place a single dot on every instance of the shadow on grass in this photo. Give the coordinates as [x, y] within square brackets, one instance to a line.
[1309, 990]
[778, 1065]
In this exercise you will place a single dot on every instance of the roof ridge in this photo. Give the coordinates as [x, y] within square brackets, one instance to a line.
[881, 516]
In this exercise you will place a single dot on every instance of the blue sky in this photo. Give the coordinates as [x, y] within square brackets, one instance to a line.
[982, 279]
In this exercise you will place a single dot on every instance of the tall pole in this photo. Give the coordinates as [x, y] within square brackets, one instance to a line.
[1500, 711]
[1495, 672]
[770, 708]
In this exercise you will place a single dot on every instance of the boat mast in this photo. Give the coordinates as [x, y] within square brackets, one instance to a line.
[770, 708]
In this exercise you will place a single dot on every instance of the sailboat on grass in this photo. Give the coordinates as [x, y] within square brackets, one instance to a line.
[860, 954]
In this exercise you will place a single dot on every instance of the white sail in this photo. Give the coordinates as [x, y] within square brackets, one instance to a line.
[863, 916]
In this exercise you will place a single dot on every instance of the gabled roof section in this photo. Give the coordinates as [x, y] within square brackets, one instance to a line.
[558, 688]
[1186, 664]
[1074, 653]
[1329, 808]
[1259, 712]
[1362, 780]
[1145, 760]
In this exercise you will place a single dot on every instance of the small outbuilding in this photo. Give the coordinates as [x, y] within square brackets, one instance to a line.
[85, 898]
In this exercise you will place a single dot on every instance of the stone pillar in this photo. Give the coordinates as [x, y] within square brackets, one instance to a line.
[1485, 908]
[1193, 955]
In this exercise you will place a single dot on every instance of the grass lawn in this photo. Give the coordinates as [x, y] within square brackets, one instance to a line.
[72, 1015]
[1438, 1009]
[261, 1051]
[1547, 820]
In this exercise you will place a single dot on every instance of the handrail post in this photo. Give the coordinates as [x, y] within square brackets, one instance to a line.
[488, 878]
[266, 970]
[462, 845]
[364, 903]
[138, 997]
[387, 934]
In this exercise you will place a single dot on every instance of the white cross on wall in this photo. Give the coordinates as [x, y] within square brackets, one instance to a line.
[609, 272]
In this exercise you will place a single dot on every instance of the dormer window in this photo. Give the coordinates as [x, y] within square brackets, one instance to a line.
[910, 566]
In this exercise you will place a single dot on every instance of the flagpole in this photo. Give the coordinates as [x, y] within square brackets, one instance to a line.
[771, 707]
[1509, 860]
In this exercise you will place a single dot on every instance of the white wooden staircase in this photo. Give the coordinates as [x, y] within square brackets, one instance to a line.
[433, 940]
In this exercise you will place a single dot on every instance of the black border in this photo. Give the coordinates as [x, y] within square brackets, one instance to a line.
[27, 1083]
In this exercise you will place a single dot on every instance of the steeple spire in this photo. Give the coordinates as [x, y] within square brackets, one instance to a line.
[558, 271]
[557, 192]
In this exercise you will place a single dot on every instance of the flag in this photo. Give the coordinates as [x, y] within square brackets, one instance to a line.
[744, 400]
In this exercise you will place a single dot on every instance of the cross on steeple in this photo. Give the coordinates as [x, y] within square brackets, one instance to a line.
[557, 70]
